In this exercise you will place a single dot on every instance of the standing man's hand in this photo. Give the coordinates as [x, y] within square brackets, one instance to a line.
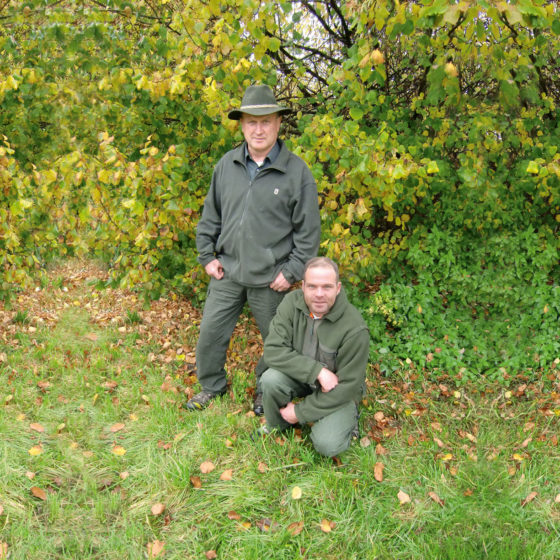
[280, 284]
[214, 268]
[289, 413]
[327, 379]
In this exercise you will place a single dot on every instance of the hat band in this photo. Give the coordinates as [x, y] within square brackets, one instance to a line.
[259, 107]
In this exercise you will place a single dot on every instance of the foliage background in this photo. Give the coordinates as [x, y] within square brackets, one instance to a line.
[431, 129]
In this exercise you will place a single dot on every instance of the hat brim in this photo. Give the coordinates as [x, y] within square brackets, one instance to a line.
[236, 114]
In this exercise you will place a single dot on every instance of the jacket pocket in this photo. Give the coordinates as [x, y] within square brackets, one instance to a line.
[327, 356]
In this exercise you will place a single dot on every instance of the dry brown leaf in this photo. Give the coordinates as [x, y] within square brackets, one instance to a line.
[436, 426]
[295, 528]
[529, 498]
[116, 427]
[124, 475]
[37, 427]
[365, 442]
[436, 498]
[528, 426]
[557, 499]
[1, 509]
[196, 482]
[38, 492]
[3, 550]
[262, 467]
[155, 548]
[526, 442]
[233, 515]
[378, 416]
[158, 509]
[207, 467]
[327, 526]
[211, 554]
[403, 497]
[378, 471]
[439, 442]
[30, 475]
[227, 474]
[380, 450]
[91, 336]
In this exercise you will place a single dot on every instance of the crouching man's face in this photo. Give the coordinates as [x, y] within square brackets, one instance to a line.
[320, 289]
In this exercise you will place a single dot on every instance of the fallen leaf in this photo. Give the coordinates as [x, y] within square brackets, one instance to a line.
[296, 493]
[196, 482]
[378, 416]
[380, 450]
[30, 475]
[178, 437]
[91, 336]
[528, 426]
[1, 509]
[378, 471]
[327, 526]
[211, 554]
[3, 550]
[124, 475]
[557, 499]
[207, 467]
[403, 497]
[529, 498]
[518, 457]
[526, 442]
[233, 515]
[116, 427]
[295, 528]
[468, 492]
[35, 450]
[118, 450]
[158, 509]
[37, 427]
[436, 426]
[365, 442]
[155, 548]
[38, 492]
[439, 442]
[262, 467]
[436, 498]
[227, 474]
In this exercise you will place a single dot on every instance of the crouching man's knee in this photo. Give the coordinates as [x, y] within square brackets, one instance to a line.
[330, 447]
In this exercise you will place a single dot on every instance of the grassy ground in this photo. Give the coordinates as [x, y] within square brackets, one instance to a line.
[99, 460]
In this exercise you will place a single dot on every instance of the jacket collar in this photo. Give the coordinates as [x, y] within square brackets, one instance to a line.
[280, 163]
[336, 311]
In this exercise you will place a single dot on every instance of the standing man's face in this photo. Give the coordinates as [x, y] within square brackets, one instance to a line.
[260, 133]
[320, 289]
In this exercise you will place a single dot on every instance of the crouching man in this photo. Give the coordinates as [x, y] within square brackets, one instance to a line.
[317, 349]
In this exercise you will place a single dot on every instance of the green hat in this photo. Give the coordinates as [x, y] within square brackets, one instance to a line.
[258, 100]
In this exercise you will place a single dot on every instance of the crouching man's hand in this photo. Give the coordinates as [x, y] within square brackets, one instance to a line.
[327, 379]
[289, 413]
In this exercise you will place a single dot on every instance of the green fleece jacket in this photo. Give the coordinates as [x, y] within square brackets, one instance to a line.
[259, 228]
[343, 347]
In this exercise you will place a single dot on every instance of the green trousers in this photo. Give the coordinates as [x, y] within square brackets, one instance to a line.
[224, 303]
[331, 435]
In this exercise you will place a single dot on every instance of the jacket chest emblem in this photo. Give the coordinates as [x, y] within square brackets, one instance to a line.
[276, 191]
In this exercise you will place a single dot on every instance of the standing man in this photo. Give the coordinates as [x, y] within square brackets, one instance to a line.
[259, 225]
[317, 349]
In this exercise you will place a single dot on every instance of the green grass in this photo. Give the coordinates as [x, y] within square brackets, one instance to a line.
[467, 448]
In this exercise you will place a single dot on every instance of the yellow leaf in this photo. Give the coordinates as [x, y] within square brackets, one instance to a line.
[403, 497]
[327, 526]
[518, 457]
[118, 450]
[296, 493]
[35, 450]
[447, 457]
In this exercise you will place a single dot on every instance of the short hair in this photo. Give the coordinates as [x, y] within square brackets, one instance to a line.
[317, 262]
